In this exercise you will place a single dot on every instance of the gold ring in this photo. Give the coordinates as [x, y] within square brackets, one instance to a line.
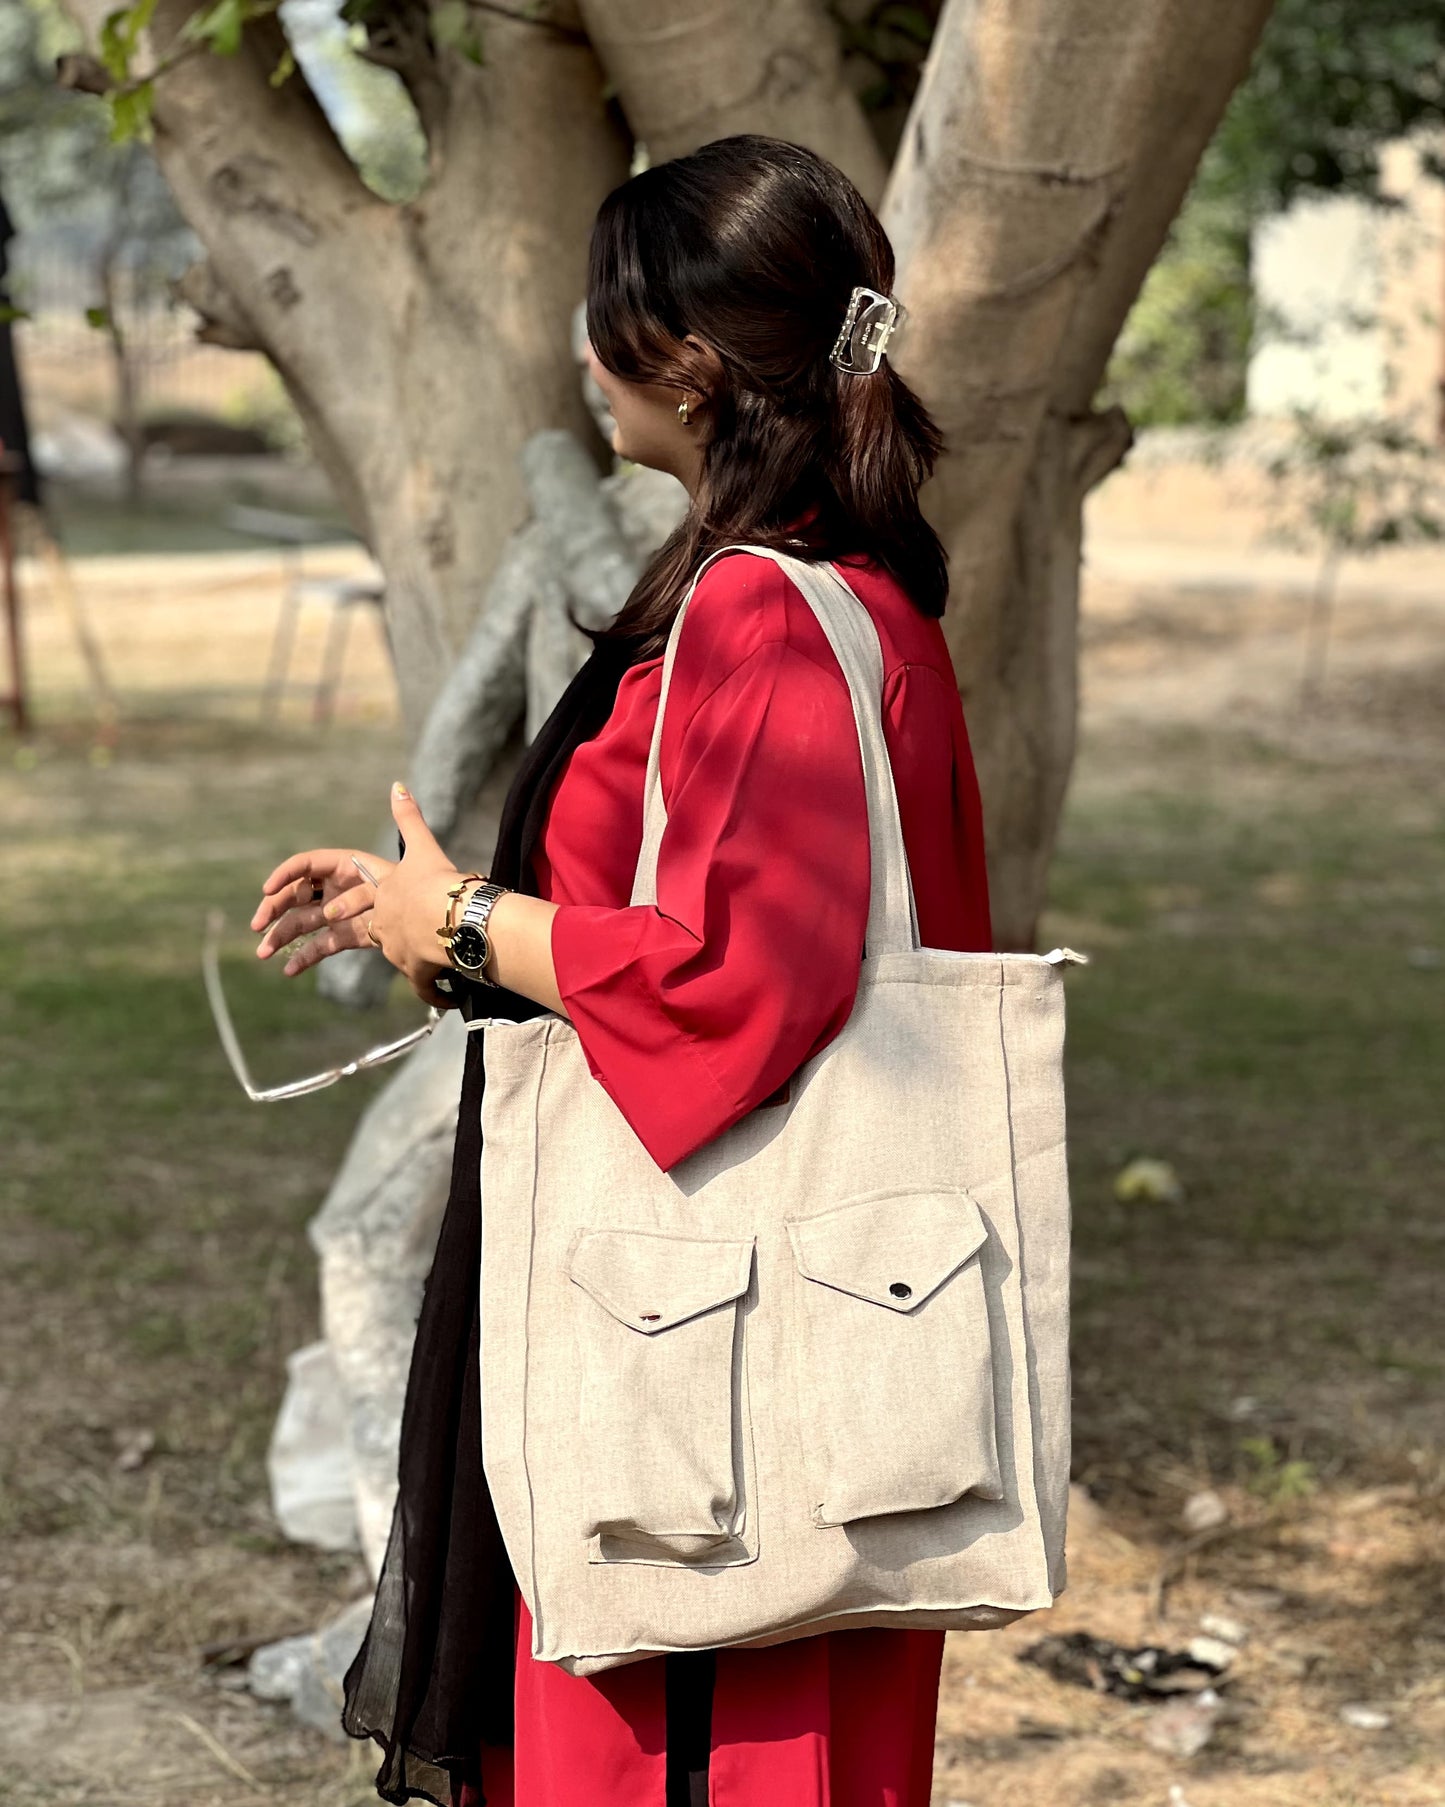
[371, 933]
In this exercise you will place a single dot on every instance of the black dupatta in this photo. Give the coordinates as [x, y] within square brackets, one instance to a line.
[432, 1681]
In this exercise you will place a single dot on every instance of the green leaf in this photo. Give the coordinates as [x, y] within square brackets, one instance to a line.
[9, 315]
[453, 28]
[219, 25]
[285, 68]
[115, 43]
[98, 317]
[120, 34]
[130, 113]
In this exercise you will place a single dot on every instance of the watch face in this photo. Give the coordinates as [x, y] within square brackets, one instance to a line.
[469, 948]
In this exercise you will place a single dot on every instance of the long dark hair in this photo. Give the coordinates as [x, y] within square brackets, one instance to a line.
[754, 245]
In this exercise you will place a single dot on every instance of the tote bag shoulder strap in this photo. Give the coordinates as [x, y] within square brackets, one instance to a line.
[892, 916]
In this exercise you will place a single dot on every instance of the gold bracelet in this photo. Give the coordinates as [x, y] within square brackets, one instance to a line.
[447, 932]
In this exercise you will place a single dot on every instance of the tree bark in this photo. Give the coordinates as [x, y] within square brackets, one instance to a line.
[1049, 147]
[422, 344]
[691, 71]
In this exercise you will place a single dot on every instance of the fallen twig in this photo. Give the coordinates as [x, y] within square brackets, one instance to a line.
[218, 1750]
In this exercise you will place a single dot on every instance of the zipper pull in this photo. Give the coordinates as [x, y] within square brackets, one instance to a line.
[1065, 956]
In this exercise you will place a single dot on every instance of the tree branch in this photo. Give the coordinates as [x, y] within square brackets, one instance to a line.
[690, 70]
[1026, 189]
[571, 33]
[399, 38]
[83, 74]
[232, 95]
[223, 321]
[1209, 52]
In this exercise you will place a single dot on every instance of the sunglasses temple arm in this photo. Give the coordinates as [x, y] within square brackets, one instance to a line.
[211, 973]
[394, 1050]
[297, 1088]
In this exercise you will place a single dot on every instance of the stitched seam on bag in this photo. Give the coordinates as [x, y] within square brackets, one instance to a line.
[1024, 1471]
[526, 1339]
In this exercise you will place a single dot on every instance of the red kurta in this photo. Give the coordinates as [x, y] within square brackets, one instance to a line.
[690, 1013]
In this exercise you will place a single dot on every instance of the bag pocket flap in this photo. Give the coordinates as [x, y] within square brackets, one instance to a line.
[895, 1250]
[652, 1282]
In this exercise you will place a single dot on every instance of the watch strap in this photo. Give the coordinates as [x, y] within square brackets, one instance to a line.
[477, 911]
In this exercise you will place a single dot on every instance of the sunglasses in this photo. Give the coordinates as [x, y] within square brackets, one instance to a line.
[313, 1082]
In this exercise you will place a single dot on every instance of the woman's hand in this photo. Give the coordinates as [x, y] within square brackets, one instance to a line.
[404, 908]
[399, 912]
[411, 902]
[301, 896]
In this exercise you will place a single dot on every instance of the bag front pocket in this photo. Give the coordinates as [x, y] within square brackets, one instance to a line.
[895, 1370]
[661, 1396]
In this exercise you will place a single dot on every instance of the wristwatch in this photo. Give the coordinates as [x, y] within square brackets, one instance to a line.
[468, 945]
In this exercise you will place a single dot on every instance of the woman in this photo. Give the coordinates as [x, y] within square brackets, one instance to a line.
[717, 287]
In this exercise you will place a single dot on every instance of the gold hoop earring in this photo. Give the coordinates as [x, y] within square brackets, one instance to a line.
[682, 410]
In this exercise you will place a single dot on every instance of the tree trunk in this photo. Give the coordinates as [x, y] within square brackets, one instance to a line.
[1022, 678]
[422, 344]
[127, 402]
[1049, 146]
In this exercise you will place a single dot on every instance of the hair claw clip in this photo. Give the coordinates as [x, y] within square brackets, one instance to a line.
[868, 327]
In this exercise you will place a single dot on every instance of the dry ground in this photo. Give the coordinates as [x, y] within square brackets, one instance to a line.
[1261, 891]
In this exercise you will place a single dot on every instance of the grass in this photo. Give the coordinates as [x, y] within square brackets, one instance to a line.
[152, 1212]
[91, 522]
[1251, 1015]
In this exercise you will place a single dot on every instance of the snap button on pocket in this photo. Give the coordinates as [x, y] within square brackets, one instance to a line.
[915, 1426]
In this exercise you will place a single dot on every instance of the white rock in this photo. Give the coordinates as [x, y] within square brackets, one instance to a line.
[1365, 1718]
[377, 1230]
[274, 1671]
[338, 1641]
[1204, 1511]
[1256, 1599]
[1216, 1625]
[1213, 1651]
[1184, 1727]
[307, 1671]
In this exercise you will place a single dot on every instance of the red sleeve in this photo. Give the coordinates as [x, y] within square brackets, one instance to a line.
[939, 806]
[691, 1011]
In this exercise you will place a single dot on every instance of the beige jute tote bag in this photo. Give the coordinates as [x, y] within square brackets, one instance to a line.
[815, 1376]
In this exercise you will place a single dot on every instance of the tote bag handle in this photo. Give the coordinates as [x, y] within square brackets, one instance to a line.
[892, 914]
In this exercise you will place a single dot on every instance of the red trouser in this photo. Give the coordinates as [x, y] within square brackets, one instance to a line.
[845, 1719]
